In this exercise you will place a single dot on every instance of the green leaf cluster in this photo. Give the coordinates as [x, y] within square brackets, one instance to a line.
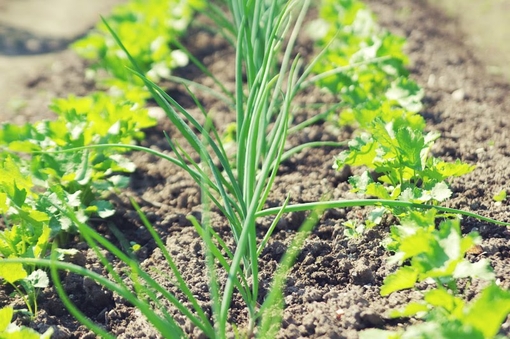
[101, 118]
[437, 254]
[25, 285]
[29, 231]
[362, 64]
[448, 316]
[399, 156]
[46, 169]
[499, 197]
[79, 176]
[49, 169]
[157, 23]
[9, 330]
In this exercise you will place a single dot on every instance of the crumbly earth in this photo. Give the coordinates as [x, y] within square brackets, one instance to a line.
[332, 274]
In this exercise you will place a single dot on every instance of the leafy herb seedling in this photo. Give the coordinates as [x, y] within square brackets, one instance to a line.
[500, 197]
[9, 329]
[26, 286]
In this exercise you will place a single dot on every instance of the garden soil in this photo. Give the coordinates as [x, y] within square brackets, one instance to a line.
[333, 289]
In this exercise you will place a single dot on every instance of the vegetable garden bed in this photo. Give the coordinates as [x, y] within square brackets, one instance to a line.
[334, 289]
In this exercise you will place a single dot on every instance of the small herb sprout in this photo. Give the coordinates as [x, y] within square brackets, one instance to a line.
[26, 286]
[9, 329]
[500, 197]
[135, 247]
[353, 229]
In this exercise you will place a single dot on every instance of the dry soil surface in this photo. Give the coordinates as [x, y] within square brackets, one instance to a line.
[469, 107]
[34, 36]
[488, 30]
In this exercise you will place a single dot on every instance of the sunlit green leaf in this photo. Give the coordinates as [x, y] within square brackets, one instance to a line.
[440, 192]
[379, 334]
[444, 299]
[377, 190]
[501, 196]
[12, 272]
[411, 143]
[403, 278]
[407, 93]
[410, 310]
[488, 311]
[3, 203]
[42, 241]
[19, 196]
[456, 169]
[39, 279]
[481, 269]
[13, 181]
[102, 208]
[6, 314]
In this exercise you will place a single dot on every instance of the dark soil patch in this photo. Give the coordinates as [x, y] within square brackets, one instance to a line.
[333, 274]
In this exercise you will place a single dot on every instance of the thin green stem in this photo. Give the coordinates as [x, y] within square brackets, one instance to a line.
[373, 202]
[206, 89]
[341, 69]
[201, 67]
[287, 155]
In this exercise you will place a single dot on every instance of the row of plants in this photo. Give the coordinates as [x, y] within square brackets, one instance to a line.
[393, 147]
[358, 62]
[43, 178]
[150, 30]
[35, 190]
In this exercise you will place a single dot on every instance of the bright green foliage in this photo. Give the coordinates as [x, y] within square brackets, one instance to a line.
[29, 230]
[12, 272]
[13, 181]
[494, 304]
[449, 316]
[10, 330]
[433, 253]
[439, 254]
[149, 30]
[100, 118]
[401, 158]
[353, 229]
[501, 196]
[364, 67]
[28, 234]
[264, 106]
[363, 64]
[38, 190]
[384, 103]
[16, 275]
[96, 119]
[3, 203]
